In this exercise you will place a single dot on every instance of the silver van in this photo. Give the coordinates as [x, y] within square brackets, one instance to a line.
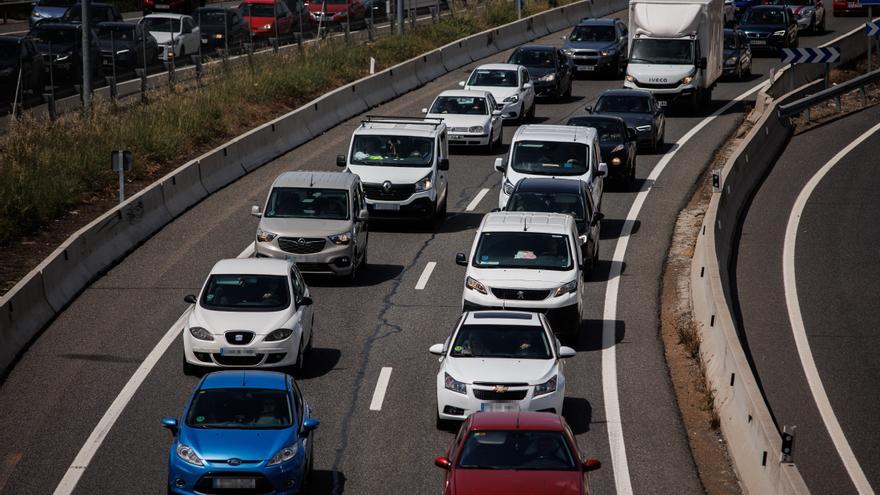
[318, 219]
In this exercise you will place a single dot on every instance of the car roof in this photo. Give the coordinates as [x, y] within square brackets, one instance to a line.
[498, 67]
[245, 379]
[769, 7]
[543, 48]
[557, 133]
[165, 15]
[59, 26]
[516, 420]
[549, 185]
[592, 21]
[251, 266]
[464, 92]
[402, 128]
[496, 317]
[527, 221]
[306, 178]
[626, 92]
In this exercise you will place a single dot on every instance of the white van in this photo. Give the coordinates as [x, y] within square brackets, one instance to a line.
[557, 151]
[527, 262]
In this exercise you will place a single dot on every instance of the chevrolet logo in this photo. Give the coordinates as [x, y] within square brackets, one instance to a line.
[500, 389]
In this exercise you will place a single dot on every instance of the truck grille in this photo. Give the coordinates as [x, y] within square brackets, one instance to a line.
[657, 85]
[397, 192]
[521, 294]
[493, 395]
[301, 245]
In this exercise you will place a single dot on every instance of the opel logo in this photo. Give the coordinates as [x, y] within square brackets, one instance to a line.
[520, 294]
[500, 389]
[234, 461]
[300, 241]
[386, 186]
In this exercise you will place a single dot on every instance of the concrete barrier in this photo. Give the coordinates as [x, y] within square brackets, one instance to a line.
[481, 45]
[291, 131]
[24, 313]
[403, 77]
[254, 147]
[577, 11]
[183, 188]
[376, 89]
[511, 35]
[218, 168]
[430, 66]
[556, 20]
[456, 55]
[64, 273]
[537, 26]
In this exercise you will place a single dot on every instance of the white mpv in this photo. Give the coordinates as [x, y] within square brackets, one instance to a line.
[470, 117]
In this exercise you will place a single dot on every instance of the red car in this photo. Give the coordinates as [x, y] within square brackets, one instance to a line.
[335, 12]
[261, 17]
[848, 8]
[527, 453]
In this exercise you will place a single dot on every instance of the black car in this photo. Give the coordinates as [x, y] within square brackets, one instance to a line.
[550, 69]
[132, 45]
[562, 196]
[598, 45]
[19, 54]
[61, 47]
[737, 54]
[617, 143]
[221, 28]
[770, 26]
[100, 12]
[639, 109]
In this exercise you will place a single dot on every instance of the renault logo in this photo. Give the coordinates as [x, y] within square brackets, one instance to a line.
[520, 295]
[234, 462]
[386, 186]
[500, 389]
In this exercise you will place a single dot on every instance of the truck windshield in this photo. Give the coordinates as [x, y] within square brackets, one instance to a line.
[393, 151]
[665, 52]
[550, 158]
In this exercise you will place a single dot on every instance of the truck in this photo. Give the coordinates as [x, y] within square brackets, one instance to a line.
[676, 49]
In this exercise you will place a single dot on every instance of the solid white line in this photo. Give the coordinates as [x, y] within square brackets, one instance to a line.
[381, 387]
[426, 274]
[93, 443]
[619, 463]
[476, 201]
[797, 321]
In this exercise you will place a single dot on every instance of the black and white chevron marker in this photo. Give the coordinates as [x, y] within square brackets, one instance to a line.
[828, 55]
[872, 28]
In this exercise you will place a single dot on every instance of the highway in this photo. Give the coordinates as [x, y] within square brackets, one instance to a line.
[62, 387]
[832, 264]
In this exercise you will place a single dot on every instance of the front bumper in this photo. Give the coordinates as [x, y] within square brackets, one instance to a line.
[664, 92]
[769, 43]
[165, 52]
[282, 479]
[208, 353]
[468, 139]
[510, 110]
[418, 206]
[454, 406]
[333, 259]
[546, 89]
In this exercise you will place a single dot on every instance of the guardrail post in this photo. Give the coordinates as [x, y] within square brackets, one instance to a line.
[111, 82]
[346, 27]
[837, 103]
[274, 42]
[197, 61]
[249, 49]
[863, 95]
[50, 105]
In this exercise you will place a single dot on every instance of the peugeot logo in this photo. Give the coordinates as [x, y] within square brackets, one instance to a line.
[386, 186]
[520, 294]
[500, 389]
[234, 461]
[300, 241]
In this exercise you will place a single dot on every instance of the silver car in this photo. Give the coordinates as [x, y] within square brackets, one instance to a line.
[318, 219]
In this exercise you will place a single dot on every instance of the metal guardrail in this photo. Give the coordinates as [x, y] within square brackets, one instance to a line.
[5, 7]
[836, 92]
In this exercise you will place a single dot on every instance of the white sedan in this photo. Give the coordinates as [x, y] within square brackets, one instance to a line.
[252, 312]
[470, 116]
[499, 360]
[177, 34]
[511, 86]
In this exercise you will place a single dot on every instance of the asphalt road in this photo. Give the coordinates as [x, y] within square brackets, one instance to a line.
[838, 283]
[63, 385]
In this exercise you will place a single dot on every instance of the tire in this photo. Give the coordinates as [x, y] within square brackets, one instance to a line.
[440, 213]
[568, 91]
[822, 25]
[632, 175]
[352, 275]
[299, 367]
[443, 424]
[531, 114]
[190, 369]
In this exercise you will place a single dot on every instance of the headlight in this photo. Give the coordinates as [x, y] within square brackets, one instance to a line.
[342, 239]
[615, 161]
[511, 99]
[266, 26]
[474, 284]
[284, 455]
[630, 78]
[218, 36]
[186, 453]
[38, 14]
[730, 61]
[566, 289]
[280, 334]
[200, 333]
[617, 148]
[424, 184]
[454, 385]
[265, 235]
[170, 53]
[643, 128]
[120, 52]
[476, 128]
[62, 58]
[545, 388]
[548, 78]
[507, 187]
[607, 53]
[779, 33]
[687, 79]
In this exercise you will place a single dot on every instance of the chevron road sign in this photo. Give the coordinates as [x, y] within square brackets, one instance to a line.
[827, 55]
[872, 28]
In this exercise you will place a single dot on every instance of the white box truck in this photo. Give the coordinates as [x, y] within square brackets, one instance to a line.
[676, 48]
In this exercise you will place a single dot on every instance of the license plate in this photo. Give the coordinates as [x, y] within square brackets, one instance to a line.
[456, 137]
[499, 406]
[387, 206]
[107, 62]
[235, 483]
[204, 41]
[586, 68]
[758, 42]
[237, 352]
[662, 103]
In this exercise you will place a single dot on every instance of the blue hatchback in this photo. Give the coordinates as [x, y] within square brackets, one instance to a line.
[242, 432]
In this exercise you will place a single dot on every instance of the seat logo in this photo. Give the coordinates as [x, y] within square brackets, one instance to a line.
[239, 338]
[500, 389]
[386, 186]
[234, 462]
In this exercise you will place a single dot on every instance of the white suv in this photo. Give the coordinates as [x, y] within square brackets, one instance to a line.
[511, 86]
[527, 261]
[402, 163]
[557, 151]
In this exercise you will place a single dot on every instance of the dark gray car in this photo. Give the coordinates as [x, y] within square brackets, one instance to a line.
[549, 68]
[639, 109]
[598, 45]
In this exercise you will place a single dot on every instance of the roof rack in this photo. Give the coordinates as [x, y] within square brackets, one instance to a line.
[431, 121]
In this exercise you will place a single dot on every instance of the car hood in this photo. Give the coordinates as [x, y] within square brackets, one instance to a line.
[498, 92]
[217, 322]
[459, 120]
[248, 445]
[304, 227]
[164, 38]
[119, 45]
[539, 72]
[491, 482]
[761, 28]
[632, 119]
[501, 370]
[519, 278]
[47, 11]
[588, 45]
[371, 174]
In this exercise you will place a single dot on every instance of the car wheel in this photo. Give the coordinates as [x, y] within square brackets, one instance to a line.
[568, 90]
[443, 424]
[440, 213]
[299, 366]
[632, 174]
[352, 275]
[190, 369]
[621, 69]
[822, 24]
[739, 71]
[532, 111]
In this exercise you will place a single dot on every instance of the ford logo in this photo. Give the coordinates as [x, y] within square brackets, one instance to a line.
[234, 462]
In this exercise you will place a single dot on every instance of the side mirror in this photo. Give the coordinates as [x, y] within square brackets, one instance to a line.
[436, 349]
[255, 211]
[170, 424]
[499, 164]
[582, 239]
[461, 84]
[424, 110]
[363, 215]
[495, 210]
[443, 462]
[527, 85]
[461, 259]
[703, 63]
[603, 169]
[591, 464]
[589, 109]
[305, 301]
[310, 424]
[443, 164]
[189, 298]
[497, 113]
[340, 161]
[566, 352]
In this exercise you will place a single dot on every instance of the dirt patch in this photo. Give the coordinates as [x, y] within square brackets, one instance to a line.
[848, 103]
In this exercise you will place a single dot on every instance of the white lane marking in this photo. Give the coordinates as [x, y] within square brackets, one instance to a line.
[426, 274]
[797, 321]
[619, 463]
[93, 443]
[381, 388]
[476, 201]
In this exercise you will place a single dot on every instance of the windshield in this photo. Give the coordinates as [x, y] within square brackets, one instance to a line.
[56, 3]
[672, 52]
[393, 151]
[162, 24]
[118, 33]
[302, 202]
[460, 105]
[209, 18]
[257, 10]
[497, 341]
[550, 158]
[533, 58]
[54, 35]
[790, 2]
[520, 450]
[240, 408]
[609, 132]
[623, 104]
[487, 77]
[554, 202]
[592, 33]
[246, 293]
[74, 13]
[729, 41]
[523, 250]
[773, 17]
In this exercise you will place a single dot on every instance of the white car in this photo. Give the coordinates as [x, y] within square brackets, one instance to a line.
[557, 151]
[177, 34]
[527, 261]
[509, 84]
[499, 360]
[251, 312]
[470, 116]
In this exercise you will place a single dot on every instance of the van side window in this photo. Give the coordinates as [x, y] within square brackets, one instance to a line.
[594, 163]
[442, 151]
